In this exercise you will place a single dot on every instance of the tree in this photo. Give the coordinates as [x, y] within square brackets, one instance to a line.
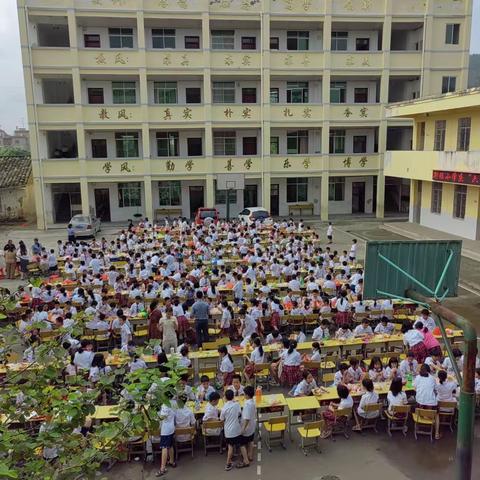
[62, 406]
[13, 152]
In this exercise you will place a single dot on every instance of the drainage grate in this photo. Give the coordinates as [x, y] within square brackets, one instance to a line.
[329, 477]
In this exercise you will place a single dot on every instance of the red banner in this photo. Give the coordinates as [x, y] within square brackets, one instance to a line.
[456, 177]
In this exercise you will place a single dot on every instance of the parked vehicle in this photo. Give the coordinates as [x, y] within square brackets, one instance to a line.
[85, 225]
[205, 213]
[252, 214]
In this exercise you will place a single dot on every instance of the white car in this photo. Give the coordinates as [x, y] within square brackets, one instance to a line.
[252, 214]
[85, 225]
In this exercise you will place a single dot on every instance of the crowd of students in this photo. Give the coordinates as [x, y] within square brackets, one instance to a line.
[182, 275]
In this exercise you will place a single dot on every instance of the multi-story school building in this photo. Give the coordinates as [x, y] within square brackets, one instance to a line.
[136, 106]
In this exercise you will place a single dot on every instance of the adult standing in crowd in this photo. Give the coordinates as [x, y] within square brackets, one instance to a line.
[200, 310]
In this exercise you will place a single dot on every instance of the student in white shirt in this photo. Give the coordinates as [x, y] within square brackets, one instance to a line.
[316, 354]
[204, 390]
[396, 396]
[426, 393]
[232, 428]
[354, 373]
[427, 320]
[363, 329]
[306, 386]
[273, 337]
[137, 363]
[447, 362]
[226, 365]
[384, 327]
[322, 332]
[368, 398]
[249, 421]
[184, 361]
[330, 233]
[340, 374]
[353, 250]
[125, 332]
[167, 432]
[84, 357]
[376, 371]
[98, 368]
[236, 386]
[184, 418]
[256, 357]
[212, 413]
[346, 401]
[291, 365]
[413, 340]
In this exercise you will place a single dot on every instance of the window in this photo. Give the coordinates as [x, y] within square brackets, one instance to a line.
[91, 40]
[249, 43]
[359, 144]
[421, 136]
[124, 92]
[338, 92]
[193, 95]
[274, 43]
[274, 146]
[223, 39]
[194, 147]
[126, 144]
[165, 92]
[274, 95]
[169, 193]
[120, 37]
[297, 92]
[452, 33]
[167, 144]
[129, 194]
[297, 189]
[339, 41]
[463, 136]
[336, 189]
[459, 201]
[297, 142]
[95, 95]
[449, 84]
[362, 44]
[163, 38]
[249, 145]
[221, 196]
[436, 205]
[439, 141]
[223, 92]
[192, 42]
[99, 148]
[249, 95]
[337, 141]
[224, 143]
[360, 95]
[297, 40]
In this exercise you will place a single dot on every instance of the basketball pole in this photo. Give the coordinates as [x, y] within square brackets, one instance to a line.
[466, 409]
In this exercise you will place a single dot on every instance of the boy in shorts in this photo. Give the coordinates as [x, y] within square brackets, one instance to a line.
[249, 421]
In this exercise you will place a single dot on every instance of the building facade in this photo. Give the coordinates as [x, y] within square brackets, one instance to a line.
[444, 170]
[136, 106]
[19, 139]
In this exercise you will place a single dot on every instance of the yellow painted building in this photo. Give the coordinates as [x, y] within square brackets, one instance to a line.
[136, 106]
[444, 169]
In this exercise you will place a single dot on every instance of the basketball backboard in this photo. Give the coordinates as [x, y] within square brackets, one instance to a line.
[429, 267]
[230, 181]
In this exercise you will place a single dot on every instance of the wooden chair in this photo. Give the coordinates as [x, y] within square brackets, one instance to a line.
[311, 430]
[424, 421]
[186, 445]
[310, 322]
[370, 422]
[327, 378]
[212, 433]
[137, 447]
[314, 368]
[397, 419]
[210, 371]
[446, 414]
[329, 363]
[275, 428]
[102, 340]
[342, 422]
[209, 345]
[223, 341]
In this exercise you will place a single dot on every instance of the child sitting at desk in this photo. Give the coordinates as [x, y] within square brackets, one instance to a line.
[368, 398]
[384, 327]
[434, 362]
[187, 389]
[236, 386]
[184, 418]
[204, 390]
[396, 396]
[306, 386]
[446, 389]
[408, 366]
[376, 371]
[354, 373]
[184, 361]
[391, 370]
[322, 332]
[256, 357]
[341, 375]
[344, 332]
[346, 401]
[273, 337]
[212, 413]
[363, 329]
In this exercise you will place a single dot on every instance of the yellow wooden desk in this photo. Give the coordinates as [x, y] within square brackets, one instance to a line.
[105, 412]
[299, 404]
[118, 360]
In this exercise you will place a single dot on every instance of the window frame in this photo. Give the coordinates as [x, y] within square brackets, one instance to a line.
[249, 143]
[191, 154]
[98, 42]
[364, 140]
[449, 84]
[275, 91]
[121, 138]
[362, 42]
[297, 89]
[341, 88]
[124, 35]
[301, 139]
[227, 42]
[452, 34]
[439, 135]
[172, 144]
[191, 38]
[460, 193]
[188, 92]
[129, 194]
[337, 138]
[160, 89]
[165, 37]
[253, 91]
[339, 39]
[89, 97]
[297, 189]
[365, 92]
[436, 198]
[336, 189]
[172, 193]
[124, 89]
[295, 39]
[223, 141]
[223, 95]
[276, 40]
[247, 45]
[464, 133]
[94, 148]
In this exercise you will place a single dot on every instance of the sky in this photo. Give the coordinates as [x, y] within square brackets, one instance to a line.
[12, 101]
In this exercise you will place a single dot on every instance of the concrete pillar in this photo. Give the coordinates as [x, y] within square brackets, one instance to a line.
[324, 198]
[209, 190]
[147, 188]
[380, 196]
[84, 196]
[266, 190]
